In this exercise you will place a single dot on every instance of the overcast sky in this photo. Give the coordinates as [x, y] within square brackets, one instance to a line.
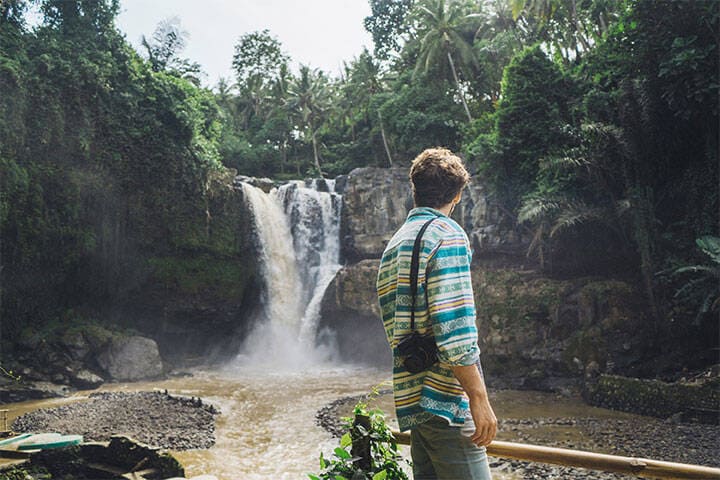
[321, 33]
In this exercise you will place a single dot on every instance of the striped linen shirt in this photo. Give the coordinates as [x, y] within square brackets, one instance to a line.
[444, 284]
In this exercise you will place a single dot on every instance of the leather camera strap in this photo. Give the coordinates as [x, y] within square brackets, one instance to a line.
[414, 267]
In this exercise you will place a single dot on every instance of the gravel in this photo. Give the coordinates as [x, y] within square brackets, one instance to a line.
[155, 418]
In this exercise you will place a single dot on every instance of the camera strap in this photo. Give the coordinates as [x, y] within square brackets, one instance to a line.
[414, 267]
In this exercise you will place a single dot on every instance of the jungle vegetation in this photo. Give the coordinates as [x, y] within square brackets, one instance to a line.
[593, 122]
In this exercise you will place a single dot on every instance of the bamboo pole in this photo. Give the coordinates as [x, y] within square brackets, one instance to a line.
[641, 467]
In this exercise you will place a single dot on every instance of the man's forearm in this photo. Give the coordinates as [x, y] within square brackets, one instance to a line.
[471, 381]
[482, 413]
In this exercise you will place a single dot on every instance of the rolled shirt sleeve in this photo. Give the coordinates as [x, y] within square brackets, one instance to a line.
[451, 302]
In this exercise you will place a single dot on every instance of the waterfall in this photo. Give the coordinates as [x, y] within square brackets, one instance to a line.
[298, 228]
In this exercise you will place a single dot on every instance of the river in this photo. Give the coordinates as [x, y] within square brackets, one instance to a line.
[267, 427]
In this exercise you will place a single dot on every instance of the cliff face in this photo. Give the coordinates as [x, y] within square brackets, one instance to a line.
[351, 315]
[196, 302]
[376, 202]
[531, 327]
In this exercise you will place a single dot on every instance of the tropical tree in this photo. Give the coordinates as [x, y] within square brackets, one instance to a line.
[309, 100]
[440, 35]
[164, 48]
[279, 120]
[364, 84]
[568, 27]
[387, 23]
[258, 57]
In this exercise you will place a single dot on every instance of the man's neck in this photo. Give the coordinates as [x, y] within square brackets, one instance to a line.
[446, 209]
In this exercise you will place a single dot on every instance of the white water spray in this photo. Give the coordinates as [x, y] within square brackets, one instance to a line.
[298, 230]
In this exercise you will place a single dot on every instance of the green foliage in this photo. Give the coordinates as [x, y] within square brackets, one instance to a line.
[104, 161]
[26, 473]
[163, 51]
[529, 125]
[384, 457]
[419, 118]
[202, 274]
[702, 288]
[594, 122]
[258, 55]
[386, 24]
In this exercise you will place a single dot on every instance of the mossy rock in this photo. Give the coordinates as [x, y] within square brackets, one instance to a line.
[653, 397]
[224, 278]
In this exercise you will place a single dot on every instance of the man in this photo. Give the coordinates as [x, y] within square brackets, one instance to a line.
[445, 405]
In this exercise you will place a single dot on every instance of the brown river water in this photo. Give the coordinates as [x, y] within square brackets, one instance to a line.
[267, 427]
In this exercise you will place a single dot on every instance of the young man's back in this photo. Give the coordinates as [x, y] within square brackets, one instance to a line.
[436, 401]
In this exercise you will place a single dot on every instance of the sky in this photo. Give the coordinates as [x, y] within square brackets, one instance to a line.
[321, 33]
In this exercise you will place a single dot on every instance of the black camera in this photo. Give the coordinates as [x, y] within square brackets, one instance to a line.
[420, 352]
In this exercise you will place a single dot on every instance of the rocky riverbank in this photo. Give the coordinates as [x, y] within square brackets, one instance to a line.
[626, 435]
[155, 418]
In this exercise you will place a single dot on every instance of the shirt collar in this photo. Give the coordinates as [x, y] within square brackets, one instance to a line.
[424, 211]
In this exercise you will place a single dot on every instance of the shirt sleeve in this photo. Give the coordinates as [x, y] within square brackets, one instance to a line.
[451, 303]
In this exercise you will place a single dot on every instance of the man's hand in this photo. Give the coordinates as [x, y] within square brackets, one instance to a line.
[482, 413]
[484, 419]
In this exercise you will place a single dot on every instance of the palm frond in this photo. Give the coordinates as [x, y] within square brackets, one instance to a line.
[574, 214]
[710, 245]
[563, 162]
[537, 207]
[714, 271]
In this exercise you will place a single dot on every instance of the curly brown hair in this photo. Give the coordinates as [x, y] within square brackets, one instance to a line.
[437, 176]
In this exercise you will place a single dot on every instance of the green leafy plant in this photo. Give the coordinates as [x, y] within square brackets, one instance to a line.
[382, 461]
[703, 286]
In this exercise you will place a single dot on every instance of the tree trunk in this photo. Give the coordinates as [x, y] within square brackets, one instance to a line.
[457, 82]
[643, 220]
[315, 155]
[578, 34]
[384, 138]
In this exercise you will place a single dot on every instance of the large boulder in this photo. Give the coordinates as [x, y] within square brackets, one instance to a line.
[350, 314]
[131, 358]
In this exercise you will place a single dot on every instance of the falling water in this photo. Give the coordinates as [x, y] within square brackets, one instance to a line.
[298, 227]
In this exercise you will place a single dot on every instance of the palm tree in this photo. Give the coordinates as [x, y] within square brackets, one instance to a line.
[440, 36]
[365, 81]
[567, 25]
[280, 95]
[252, 99]
[309, 100]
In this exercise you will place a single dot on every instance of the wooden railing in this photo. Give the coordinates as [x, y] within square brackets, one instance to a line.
[641, 467]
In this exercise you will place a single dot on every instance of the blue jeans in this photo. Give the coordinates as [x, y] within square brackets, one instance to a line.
[443, 452]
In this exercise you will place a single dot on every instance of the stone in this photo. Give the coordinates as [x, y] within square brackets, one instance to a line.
[264, 184]
[131, 359]
[75, 344]
[350, 315]
[22, 391]
[86, 380]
